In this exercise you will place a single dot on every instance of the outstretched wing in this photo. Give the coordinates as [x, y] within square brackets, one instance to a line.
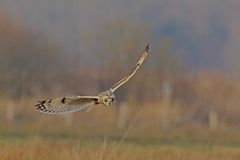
[66, 104]
[139, 63]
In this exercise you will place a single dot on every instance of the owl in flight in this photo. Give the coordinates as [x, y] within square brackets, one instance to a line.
[69, 104]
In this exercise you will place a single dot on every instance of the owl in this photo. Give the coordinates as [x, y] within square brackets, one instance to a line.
[74, 103]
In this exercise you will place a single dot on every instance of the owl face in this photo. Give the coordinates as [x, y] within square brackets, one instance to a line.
[106, 98]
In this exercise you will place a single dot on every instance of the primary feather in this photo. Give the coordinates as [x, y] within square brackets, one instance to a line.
[66, 104]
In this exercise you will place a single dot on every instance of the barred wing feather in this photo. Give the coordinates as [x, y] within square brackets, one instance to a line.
[66, 104]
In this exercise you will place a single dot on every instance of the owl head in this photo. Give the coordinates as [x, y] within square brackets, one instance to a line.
[106, 98]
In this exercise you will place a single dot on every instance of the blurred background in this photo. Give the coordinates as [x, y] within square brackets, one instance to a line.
[188, 87]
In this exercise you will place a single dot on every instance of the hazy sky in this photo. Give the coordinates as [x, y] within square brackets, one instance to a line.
[206, 33]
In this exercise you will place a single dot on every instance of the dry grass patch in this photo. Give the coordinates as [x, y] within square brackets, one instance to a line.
[39, 149]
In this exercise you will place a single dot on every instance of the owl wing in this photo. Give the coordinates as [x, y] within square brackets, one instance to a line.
[125, 79]
[66, 104]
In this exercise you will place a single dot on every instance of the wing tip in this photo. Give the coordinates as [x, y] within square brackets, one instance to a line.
[40, 106]
[147, 48]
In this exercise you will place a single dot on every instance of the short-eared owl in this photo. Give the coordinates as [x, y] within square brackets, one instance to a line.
[76, 103]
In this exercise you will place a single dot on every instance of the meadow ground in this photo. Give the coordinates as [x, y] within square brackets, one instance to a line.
[22, 147]
[95, 136]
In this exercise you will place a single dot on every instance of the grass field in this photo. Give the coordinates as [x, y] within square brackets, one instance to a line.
[27, 147]
[39, 149]
[95, 136]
